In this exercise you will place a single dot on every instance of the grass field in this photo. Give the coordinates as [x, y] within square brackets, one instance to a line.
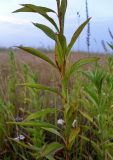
[90, 97]
[39, 65]
[56, 106]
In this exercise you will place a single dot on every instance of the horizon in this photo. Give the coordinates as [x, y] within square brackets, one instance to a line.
[20, 31]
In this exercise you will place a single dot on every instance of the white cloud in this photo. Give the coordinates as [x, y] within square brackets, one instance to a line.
[13, 20]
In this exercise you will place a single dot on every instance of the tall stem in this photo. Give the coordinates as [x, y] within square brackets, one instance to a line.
[59, 17]
[65, 105]
[62, 73]
[67, 155]
[88, 29]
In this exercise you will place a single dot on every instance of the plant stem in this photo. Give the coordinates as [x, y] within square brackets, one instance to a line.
[59, 17]
[65, 104]
[67, 154]
[88, 29]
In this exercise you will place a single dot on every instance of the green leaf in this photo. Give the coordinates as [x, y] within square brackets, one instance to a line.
[38, 54]
[49, 157]
[39, 114]
[76, 35]
[95, 145]
[91, 96]
[63, 43]
[110, 45]
[41, 87]
[48, 31]
[58, 51]
[51, 21]
[109, 155]
[90, 119]
[74, 133]
[63, 7]
[52, 148]
[75, 68]
[27, 146]
[54, 131]
[86, 116]
[34, 8]
[63, 11]
[40, 10]
[33, 124]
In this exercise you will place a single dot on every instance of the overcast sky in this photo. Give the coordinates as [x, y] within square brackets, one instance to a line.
[16, 29]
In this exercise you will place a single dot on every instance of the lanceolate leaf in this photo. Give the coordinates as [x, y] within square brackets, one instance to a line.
[52, 21]
[27, 146]
[34, 8]
[111, 46]
[52, 148]
[90, 119]
[74, 133]
[34, 124]
[95, 145]
[58, 51]
[25, 9]
[38, 54]
[75, 68]
[41, 87]
[54, 131]
[63, 7]
[63, 11]
[76, 35]
[63, 43]
[40, 10]
[48, 31]
[50, 157]
[40, 114]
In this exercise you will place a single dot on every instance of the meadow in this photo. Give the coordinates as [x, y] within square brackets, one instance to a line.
[55, 106]
[24, 104]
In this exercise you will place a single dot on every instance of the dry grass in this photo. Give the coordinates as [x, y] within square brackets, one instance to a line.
[44, 70]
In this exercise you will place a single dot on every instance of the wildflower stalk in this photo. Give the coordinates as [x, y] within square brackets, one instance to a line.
[88, 28]
[62, 52]
[62, 73]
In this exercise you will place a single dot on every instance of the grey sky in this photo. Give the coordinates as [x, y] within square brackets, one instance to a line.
[16, 29]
